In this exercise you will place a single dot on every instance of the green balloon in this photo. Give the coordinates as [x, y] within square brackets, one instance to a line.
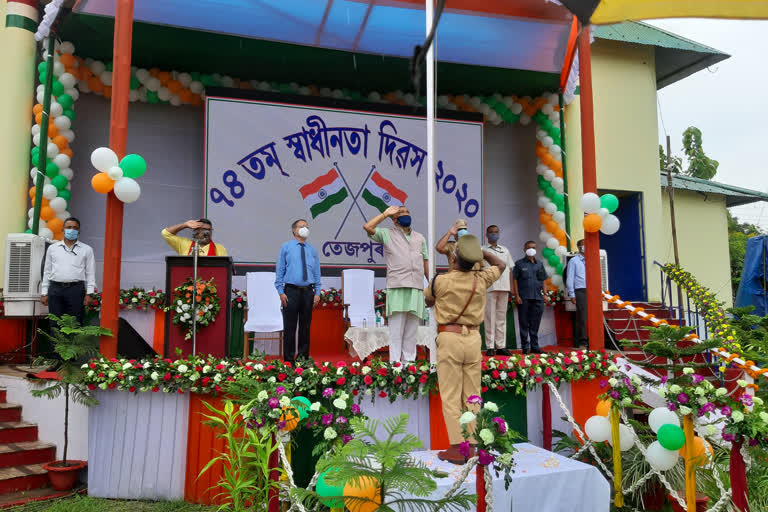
[553, 259]
[42, 67]
[35, 154]
[550, 191]
[559, 200]
[70, 114]
[325, 490]
[302, 404]
[108, 67]
[51, 170]
[65, 194]
[134, 82]
[547, 252]
[57, 89]
[43, 77]
[60, 182]
[28, 231]
[609, 202]
[671, 437]
[133, 166]
[559, 268]
[65, 100]
[152, 97]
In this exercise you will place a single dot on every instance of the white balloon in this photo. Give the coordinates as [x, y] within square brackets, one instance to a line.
[661, 416]
[58, 204]
[525, 119]
[83, 85]
[164, 94]
[69, 186]
[590, 202]
[598, 429]
[53, 150]
[40, 97]
[626, 438]
[660, 458]
[142, 75]
[73, 93]
[62, 123]
[30, 212]
[127, 190]
[63, 215]
[175, 101]
[196, 87]
[561, 251]
[29, 223]
[103, 158]
[337, 94]
[36, 128]
[106, 78]
[185, 79]
[58, 69]
[541, 169]
[559, 217]
[67, 173]
[610, 225]
[67, 80]
[98, 67]
[550, 207]
[552, 243]
[516, 109]
[33, 174]
[45, 233]
[557, 280]
[115, 173]
[227, 81]
[36, 139]
[558, 183]
[603, 213]
[62, 161]
[49, 192]
[545, 235]
[547, 109]
[542, 201]
[555, 150]
[549, 175]
[133, 95]
[547, 141]
[153, 84]
[69, 135]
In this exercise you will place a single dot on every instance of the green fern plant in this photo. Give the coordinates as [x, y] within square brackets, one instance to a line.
[405, 483]
[74, 343]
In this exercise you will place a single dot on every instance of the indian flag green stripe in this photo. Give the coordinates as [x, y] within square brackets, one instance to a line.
[18, 21]
[329, 202]
[374, 201]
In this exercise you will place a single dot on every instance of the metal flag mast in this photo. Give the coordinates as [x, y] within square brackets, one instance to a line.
[195, 251]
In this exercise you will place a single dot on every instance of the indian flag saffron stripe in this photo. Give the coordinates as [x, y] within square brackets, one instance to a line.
[381, 193]
[21, 14]
[324, 193]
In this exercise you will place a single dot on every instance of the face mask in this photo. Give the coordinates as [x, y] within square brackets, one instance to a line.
[530, 252]
[462, 232]
[404, 220]
[581, 249]
[71, 234]
[304, 232]
[493, 237]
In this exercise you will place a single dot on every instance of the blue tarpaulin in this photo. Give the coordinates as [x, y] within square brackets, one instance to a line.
[754, 276]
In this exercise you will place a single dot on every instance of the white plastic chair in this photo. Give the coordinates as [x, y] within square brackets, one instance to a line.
[264, 314]
[357, 296]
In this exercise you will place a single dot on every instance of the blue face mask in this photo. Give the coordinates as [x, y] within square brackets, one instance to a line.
[404, 220]
[71, 234]
[493, 237]
[460, 233]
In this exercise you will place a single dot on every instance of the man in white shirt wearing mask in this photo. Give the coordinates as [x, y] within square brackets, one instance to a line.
[576, 283]
[69, 274]
[497, 297]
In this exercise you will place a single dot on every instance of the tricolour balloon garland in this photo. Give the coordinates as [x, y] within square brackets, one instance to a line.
[58, 174]
[118, 176]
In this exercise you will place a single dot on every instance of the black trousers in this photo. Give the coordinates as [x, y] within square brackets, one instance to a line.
[67, 300]
[580, 335]
[297, 312]
[529, 317]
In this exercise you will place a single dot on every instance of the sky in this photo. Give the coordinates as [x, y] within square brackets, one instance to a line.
[727, 102]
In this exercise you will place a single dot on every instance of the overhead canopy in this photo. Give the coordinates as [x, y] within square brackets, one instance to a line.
[734, 196]
[603, 12]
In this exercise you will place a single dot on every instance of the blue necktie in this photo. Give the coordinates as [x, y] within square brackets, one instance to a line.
[304, 264]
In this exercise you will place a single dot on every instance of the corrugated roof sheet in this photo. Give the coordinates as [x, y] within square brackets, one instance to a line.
[734, 196]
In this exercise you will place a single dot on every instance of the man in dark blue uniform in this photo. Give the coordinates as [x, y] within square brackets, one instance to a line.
[528, 276]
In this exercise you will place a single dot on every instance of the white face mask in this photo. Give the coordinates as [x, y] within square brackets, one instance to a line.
[303, 232]
[530, 252]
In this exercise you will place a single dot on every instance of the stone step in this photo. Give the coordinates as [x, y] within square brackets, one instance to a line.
[25, 453]
[9, 412]
[22, 478]
[17, 431]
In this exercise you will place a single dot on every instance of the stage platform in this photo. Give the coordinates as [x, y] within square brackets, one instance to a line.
[542, 482]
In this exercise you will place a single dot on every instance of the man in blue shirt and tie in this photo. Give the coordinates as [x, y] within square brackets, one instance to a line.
[576, 283]
[298, 283]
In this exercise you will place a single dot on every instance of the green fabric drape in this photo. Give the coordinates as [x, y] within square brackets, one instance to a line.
[236, 333]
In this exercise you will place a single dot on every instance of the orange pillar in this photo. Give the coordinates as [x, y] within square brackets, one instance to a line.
[591, 240]
[118, 134]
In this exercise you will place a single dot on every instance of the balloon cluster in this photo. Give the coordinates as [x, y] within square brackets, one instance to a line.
[51, 12]
[355, 492]
[599, 213]
[551, 189]
[664, 453]
[119, 177]
[598, 428]
[57, 171]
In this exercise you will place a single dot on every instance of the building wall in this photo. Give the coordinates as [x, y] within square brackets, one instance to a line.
[626, 136]
[702, 239]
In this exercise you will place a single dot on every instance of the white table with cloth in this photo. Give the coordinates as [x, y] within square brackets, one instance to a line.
[364, 341]
[542, 482]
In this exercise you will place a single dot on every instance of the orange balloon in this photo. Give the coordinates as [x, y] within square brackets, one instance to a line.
[58, 235]
[556, 166]
[531, 110]
[53, 130]
[559, 233]
[245, 85]
[603, 408]
[154, 71]
[102, 183]
[38, 118]
[544, 218]
[185, 95]
[67, 59]
[55, 224]
[164, 77]
[197, 100]
[540, 102]
[291, 418]
[702, 451]
[44, 203]
[60, 141]
[523, 103]
[86, 73]
[362, 487]
[107, 91]
[541, 152]
[552, 226]
[548, 160]
[37, 109]
[47, 213]
[175, 86]
[592, 223]
[68, 152]
[73, 71]
[32, 192]
[95, 84]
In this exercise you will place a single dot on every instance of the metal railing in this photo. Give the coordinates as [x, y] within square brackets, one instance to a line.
[677, 301]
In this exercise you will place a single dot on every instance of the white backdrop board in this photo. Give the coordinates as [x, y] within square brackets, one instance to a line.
[268, 164]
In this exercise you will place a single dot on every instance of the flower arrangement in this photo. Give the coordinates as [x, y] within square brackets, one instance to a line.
[208, 306]
[239, 299]
[492, 436]
[620, 388]
[330, 298]
[133, 298]
[690, 394]
[746, 419]
[552, 297]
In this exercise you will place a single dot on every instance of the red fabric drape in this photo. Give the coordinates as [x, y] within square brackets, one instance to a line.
[274, 498]
[546, 417]
[480, 487]
[739, 477]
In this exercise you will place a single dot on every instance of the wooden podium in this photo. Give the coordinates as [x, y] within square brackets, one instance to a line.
[214, 338]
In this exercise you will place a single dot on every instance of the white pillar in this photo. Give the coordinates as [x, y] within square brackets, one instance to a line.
[430, 138]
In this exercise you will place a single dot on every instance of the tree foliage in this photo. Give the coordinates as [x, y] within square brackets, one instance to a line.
[699, 164]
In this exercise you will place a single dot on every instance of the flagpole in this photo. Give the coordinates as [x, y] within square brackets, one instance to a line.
[429, 7]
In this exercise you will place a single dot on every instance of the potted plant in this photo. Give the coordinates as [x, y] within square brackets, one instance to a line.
[74, 344]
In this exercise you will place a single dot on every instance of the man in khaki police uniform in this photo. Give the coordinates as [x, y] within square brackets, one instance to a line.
[447, 244]
[459, 300]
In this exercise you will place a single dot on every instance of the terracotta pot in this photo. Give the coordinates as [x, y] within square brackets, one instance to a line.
[63, 478]
[701, 502]
[654, 497]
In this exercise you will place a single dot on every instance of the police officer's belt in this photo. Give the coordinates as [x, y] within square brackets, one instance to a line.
[455, 328]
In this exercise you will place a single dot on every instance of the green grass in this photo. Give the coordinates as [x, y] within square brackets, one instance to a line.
[88, 504]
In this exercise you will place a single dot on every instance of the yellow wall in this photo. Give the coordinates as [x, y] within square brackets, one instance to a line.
[702, 239]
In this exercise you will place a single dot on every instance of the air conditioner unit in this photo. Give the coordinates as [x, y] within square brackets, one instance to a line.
[24, 255]
[569, 306]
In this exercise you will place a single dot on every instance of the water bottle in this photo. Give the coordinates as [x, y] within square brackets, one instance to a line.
[365, 323]
[426, 320]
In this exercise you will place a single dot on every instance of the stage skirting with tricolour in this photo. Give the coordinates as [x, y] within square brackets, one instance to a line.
[154, 445]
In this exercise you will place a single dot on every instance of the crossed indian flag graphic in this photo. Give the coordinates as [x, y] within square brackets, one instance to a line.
[331, 189]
